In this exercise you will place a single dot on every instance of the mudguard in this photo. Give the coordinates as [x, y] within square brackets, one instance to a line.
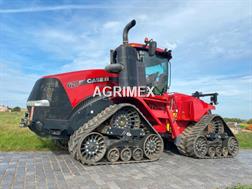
[86, 111]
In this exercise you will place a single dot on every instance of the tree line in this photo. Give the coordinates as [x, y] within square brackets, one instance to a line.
[238, 120]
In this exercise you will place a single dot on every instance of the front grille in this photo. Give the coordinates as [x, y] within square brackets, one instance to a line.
[52, 90]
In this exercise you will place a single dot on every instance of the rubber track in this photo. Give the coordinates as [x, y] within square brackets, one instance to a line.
[87, 128]
[92, 125]
[189, 135]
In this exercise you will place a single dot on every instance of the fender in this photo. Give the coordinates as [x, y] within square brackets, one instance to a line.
[86, 110]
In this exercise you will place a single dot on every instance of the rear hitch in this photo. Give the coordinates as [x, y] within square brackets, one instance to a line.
[213, 96]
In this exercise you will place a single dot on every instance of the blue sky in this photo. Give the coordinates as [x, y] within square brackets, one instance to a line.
[211, 42]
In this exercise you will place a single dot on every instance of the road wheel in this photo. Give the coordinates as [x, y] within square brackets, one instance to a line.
[126, 154]
[113, 155]
[225, 151]
[137, 154]
[211, 152]
[218, 151]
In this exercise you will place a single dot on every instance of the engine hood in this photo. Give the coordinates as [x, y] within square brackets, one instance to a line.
[80, 84]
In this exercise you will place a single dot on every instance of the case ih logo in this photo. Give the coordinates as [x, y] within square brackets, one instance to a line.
[74, 84]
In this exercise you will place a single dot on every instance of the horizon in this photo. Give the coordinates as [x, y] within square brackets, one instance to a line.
[212, 46]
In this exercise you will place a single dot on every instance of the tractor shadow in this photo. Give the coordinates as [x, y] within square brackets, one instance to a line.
[170, 148]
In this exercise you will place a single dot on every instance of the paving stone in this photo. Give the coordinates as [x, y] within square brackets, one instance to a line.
[58, 170]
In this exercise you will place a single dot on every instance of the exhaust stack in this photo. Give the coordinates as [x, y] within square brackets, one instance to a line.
[126, 31]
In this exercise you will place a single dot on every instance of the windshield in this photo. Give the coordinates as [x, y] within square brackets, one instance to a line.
[156, 71]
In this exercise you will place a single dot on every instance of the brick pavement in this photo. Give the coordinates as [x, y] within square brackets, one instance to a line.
[58, 170]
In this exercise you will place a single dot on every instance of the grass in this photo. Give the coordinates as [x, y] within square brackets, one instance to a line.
[13, 138]
[245, 139]
[239, 186]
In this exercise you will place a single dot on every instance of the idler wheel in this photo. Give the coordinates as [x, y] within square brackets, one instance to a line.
[92, 148]
[153, 146]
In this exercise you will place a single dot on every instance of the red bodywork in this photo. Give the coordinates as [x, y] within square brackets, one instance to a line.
[169, 113]
[80, 93]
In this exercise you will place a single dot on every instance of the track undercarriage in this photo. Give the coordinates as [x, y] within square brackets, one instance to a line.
[119, 134]
[209, 138]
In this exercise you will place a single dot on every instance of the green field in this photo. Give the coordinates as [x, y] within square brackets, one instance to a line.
[240, 187]
[245, 139]
[13, 138]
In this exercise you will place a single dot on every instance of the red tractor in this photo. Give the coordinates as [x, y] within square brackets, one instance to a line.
[98, 129]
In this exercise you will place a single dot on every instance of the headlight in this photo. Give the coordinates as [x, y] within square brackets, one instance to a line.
[44, 103]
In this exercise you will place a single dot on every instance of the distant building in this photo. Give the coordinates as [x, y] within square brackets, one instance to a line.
[234, 126]
[4, 108]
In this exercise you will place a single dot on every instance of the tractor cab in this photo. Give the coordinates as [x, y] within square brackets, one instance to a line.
[141, 64]
[156, 66]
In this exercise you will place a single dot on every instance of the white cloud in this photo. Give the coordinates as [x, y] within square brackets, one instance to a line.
[142, 17]
[111, 25]
[85, 62]
[231, 44]
[226, 85]
[235, 92]
[55, 8]
[171, 28]
[171, 46]
[61, 36]
[15, 85]
[60, 42]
